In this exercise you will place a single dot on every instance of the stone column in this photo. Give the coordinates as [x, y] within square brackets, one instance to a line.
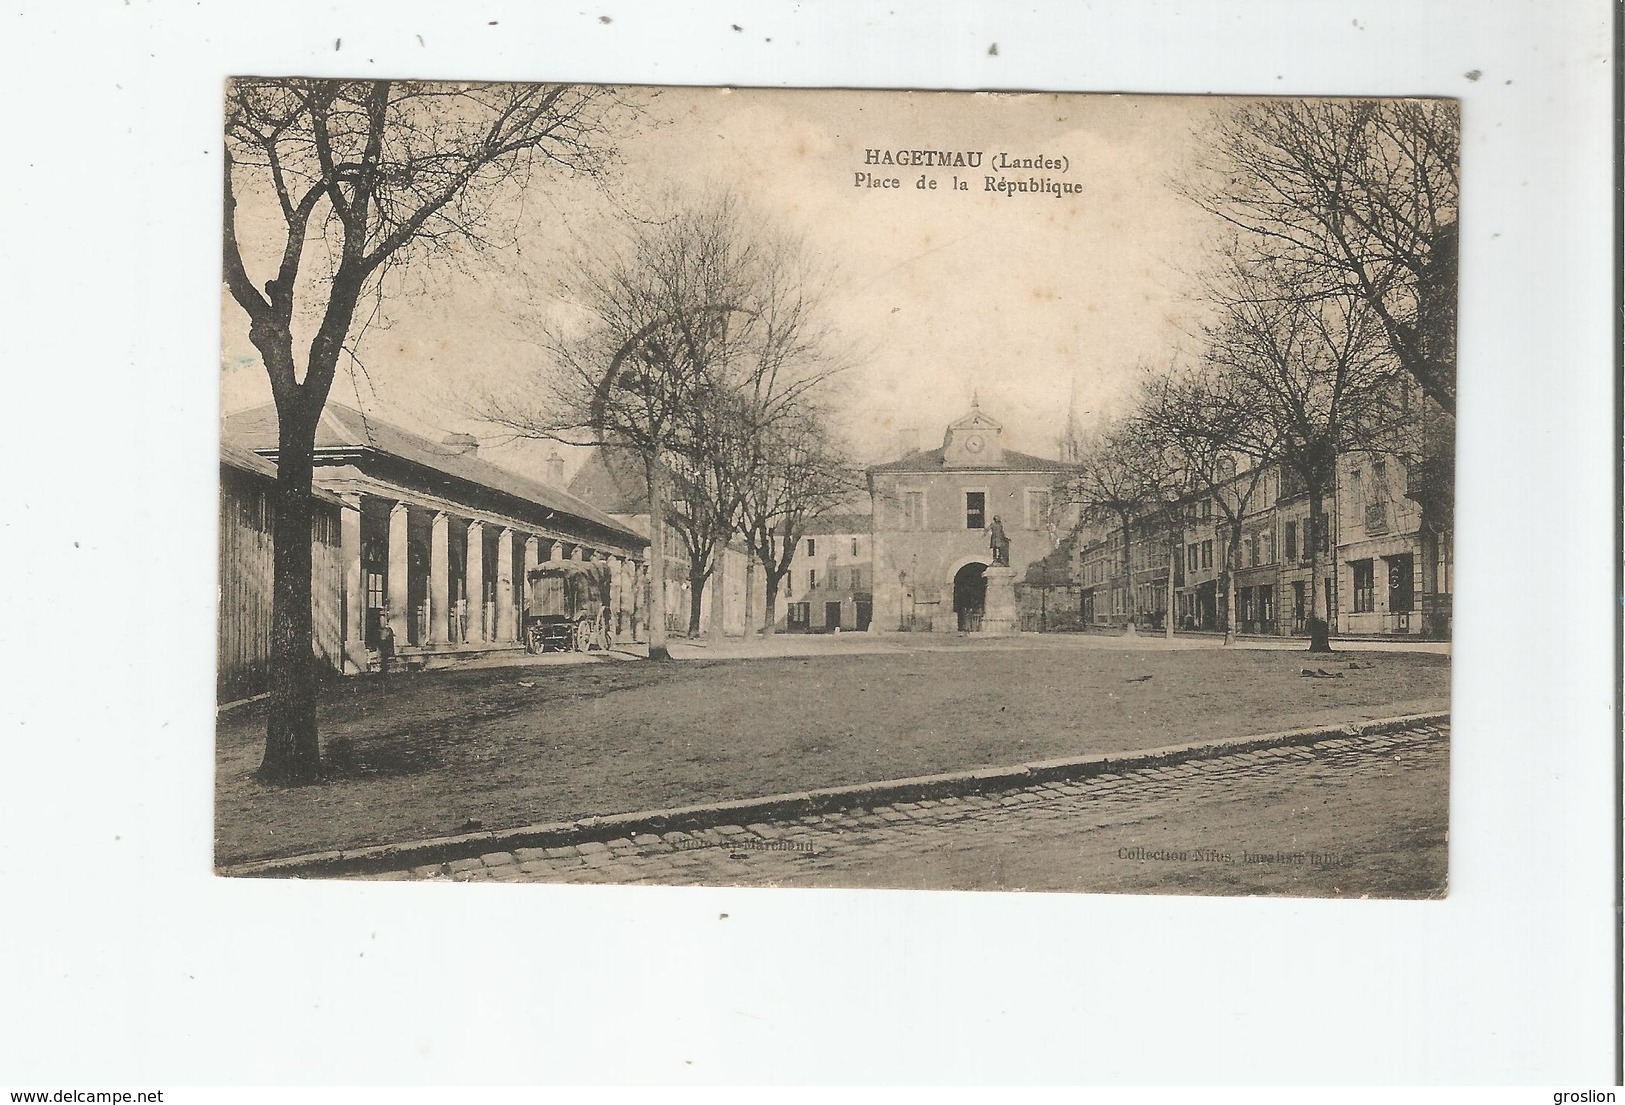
[505, 610]
[474, 582]
[399, 591]
[579, 554]
[533, 556]
[557, 552]
[440, 579]
[617, 598]
[355, 596]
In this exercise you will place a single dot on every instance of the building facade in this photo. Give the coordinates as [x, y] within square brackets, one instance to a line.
[830, 584]
[435, 542]
[1385, 565]
[246, 565]
[932, 517]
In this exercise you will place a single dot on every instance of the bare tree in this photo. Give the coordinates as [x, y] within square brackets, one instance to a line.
[1117, 484]
[709, 485]
[1205, 417]
[1357, 198]
[701, 329]
[329, 185]
[1313, 368]
[803, 474]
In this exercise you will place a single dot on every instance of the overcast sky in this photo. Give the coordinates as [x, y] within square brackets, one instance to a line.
[943, 293]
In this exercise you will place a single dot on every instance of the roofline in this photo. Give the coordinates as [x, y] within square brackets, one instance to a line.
[621, 534]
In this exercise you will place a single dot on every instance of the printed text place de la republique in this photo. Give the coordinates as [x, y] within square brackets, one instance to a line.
[1001, 162]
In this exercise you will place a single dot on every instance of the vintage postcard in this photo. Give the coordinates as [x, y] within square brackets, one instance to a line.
[836, 488]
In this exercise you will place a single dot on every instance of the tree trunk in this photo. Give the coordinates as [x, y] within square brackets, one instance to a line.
[1317, 524]
[1168, 614]
[750, 605]
[1232, 564]
[770, 613]
[657, 559]
[719, 594]
[292, 749]
[696, 596]
[1129, 600]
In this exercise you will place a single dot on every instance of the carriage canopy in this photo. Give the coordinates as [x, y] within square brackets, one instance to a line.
[566, 590]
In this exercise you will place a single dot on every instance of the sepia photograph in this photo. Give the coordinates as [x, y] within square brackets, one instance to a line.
[822, 488]
[782, 545]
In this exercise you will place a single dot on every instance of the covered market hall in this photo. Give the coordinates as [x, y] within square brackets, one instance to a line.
[434, 541]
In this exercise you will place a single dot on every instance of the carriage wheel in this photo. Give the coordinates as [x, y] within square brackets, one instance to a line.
[583, 635]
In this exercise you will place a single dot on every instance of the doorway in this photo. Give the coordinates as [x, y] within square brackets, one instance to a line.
[832, 616]
[970, 596]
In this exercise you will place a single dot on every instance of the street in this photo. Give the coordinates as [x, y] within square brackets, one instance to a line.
[1286, 821]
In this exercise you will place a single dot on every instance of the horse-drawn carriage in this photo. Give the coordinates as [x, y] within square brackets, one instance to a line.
[567, 607]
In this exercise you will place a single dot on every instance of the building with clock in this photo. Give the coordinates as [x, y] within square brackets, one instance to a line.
[933, 513]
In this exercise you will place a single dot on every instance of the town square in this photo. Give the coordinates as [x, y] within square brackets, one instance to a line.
[692, 540]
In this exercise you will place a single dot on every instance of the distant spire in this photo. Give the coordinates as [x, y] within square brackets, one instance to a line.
[1072, 438]
[975, 399]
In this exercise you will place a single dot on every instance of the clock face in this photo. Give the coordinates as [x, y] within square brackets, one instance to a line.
[973, 443]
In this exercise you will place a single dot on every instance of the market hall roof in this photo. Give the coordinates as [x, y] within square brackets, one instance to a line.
[451, 471]
[235, 456]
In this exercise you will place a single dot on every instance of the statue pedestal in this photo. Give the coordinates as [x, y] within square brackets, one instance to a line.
[999, 604]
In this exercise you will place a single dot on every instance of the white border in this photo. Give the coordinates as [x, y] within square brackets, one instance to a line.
[125, 962]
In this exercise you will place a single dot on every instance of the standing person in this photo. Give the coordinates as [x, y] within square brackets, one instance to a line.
[386, 644]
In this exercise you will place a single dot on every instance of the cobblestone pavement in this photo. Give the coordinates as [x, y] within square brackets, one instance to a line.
[1354, 816]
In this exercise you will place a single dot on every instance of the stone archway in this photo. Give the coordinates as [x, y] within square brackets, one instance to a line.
[964, 592]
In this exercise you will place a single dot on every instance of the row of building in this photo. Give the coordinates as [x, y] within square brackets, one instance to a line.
[1385, 547]
[1385, 553]
[434, 542]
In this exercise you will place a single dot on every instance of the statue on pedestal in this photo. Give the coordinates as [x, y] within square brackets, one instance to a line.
[999, 543]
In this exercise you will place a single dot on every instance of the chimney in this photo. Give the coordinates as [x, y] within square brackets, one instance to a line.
[460, 444]
[555, 469]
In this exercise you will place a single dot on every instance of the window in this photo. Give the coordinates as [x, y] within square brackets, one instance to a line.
[1207, 554]
[1252, 552]
[1292, 540]
[812, 578]
[1269, 547]
[812, 547]
[913, 510]
[789, 584]
[1364, 587]
[1190, 555]
[854, 546]
[1038, 507]
[798, 615]
[975, 510]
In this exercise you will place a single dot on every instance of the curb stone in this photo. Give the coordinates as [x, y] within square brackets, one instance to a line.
[600, 829]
